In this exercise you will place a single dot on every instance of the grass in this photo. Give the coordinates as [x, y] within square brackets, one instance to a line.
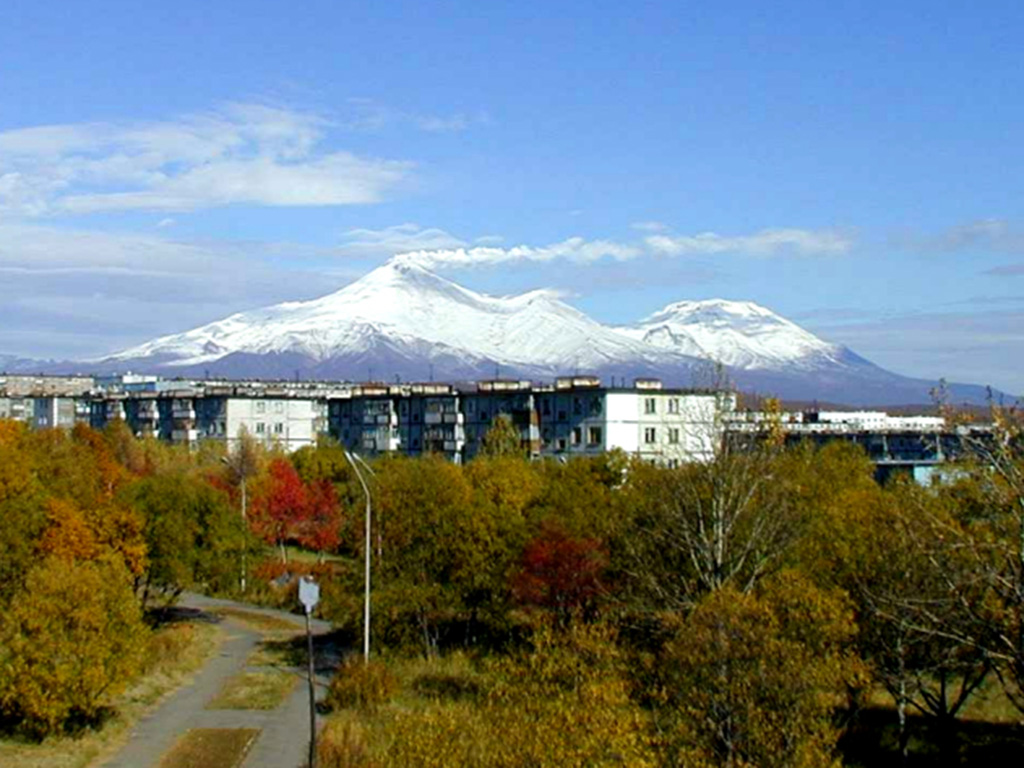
[259, 621]
[255, 690]
[988, 730]
[175, 652]
[279, 652]
[209, 747]
[299, 555]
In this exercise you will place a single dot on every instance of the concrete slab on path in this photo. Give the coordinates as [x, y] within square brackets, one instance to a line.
[284, 738]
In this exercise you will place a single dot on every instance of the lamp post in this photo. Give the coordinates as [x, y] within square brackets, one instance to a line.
[245, 520]
[367, 552]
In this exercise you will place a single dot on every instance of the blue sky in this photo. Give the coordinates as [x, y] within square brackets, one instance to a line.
[853, 166]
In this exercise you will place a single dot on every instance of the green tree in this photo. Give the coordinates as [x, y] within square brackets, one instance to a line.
[192, 533]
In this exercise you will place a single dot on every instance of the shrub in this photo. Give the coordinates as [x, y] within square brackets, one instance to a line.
[360, 684]
[342, 744]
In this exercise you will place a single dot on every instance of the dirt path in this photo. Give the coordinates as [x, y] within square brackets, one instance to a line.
[283, 742]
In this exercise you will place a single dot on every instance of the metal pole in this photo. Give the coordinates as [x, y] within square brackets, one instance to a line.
[245, 534]
[367, 553]
[312, 696]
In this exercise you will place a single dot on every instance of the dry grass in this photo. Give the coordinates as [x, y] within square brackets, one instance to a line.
[255, 690]
[175, 653]
[209, 747]
[259, 621]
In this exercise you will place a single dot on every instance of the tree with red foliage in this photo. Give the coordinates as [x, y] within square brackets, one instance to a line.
[561, 573]
[320, 530]
[282, 507]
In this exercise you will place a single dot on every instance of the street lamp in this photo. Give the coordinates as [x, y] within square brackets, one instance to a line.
[245, 521]
[366, 601]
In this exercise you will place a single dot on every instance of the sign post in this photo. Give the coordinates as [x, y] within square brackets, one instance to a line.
[309, 596]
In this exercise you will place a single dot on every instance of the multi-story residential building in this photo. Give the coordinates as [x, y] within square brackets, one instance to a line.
[511, 399]
[664, 426]
[59, 411]
[574, 416]
[279, 416]
[365, 419]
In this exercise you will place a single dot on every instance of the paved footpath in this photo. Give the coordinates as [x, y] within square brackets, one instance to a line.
[284, 740]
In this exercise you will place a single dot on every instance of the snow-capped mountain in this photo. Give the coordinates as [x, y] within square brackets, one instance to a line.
[739, 334]
[402, 311]
[403, 321]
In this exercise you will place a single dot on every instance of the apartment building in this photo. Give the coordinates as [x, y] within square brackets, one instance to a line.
[186, 416]
[578, 416]
[573, 416]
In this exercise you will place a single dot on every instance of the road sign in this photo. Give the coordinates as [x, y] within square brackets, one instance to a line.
[309, 594]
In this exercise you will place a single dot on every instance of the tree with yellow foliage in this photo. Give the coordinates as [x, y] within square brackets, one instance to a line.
[69, 641]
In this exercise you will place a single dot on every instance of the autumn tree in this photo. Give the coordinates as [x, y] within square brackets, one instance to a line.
[320, 529]
[706, 525]
[502, 439]
[22, 513]
[977, 552]
[68, 643]
[561, 574]
[751, 678]
[281, 506]
[436, 548]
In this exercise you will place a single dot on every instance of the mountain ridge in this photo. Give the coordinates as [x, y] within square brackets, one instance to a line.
[406, 321]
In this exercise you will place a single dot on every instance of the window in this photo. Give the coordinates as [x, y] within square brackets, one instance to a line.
[673, 405]
[261, 407]
[279, 429]
[673, 435]
[594, 436]
[577, 435]
[260, 427]
[650, 405]
[577, 406]
[561, 443]
[545, 407]
[595, 406]
[650, 435]
[278, 407]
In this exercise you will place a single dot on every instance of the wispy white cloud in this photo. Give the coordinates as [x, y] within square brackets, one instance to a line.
[766, 242]
[574, 249]
[239, 154]
[650, 226]
[975, 347]
[71, 292]
[371, 115]
[1007, 270]
[992, 235]
[375, 244]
